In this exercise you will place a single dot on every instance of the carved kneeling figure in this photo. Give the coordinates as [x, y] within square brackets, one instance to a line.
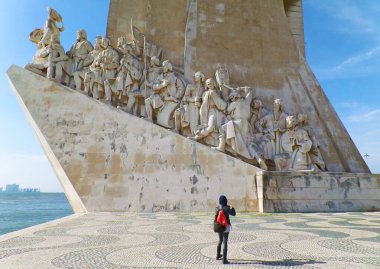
[296, 145]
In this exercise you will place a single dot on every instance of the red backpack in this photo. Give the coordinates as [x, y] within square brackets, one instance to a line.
[220, 224]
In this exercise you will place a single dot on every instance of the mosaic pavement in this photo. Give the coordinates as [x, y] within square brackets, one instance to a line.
[179, 240]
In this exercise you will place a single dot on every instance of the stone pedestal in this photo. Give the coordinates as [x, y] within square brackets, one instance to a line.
[317, 192]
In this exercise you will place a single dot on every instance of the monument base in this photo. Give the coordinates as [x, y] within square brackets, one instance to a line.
[109, 160]
[317, 192]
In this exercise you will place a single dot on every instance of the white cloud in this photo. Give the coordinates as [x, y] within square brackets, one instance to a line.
[349, 12]
[28, 170]
[358, 59]
[366, 117]
[358, 19]
[363, 123]
[363, 64]
[349, 104]
[353, 15]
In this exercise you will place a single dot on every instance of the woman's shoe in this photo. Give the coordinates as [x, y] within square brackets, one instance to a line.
[225, 261]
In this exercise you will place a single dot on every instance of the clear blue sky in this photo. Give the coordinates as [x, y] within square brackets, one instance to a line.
[342, 47]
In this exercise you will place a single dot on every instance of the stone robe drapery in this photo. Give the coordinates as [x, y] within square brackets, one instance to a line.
[239, 130]
[298, 144]
[190, 117]
[275, 125]
[212, 105]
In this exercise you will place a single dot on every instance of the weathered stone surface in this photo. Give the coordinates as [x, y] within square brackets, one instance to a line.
[260, 42]
[108, 160]
[118, 162]
[315, 192]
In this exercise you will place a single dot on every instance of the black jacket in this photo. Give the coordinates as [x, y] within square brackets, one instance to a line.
[227, 211]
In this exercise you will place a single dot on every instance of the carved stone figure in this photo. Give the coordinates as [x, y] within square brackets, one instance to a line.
[79, 74]
[57, 60]
[170, 90]
[133, 89]
[93, 78]
[208, 111]
[257, 113]
[223, 78]
[152, 74]
[272, 126]
[211, 114]
[121, 46]
[78, 54]
[109, 59]
[237, 132]
[296, 145]
[187, 116]
[51, 27]
[40, 60]
[150, 77]
[127, 82]
[103, 68]
[315, 153]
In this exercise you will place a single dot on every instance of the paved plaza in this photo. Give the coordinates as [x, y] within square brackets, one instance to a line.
[186, 240]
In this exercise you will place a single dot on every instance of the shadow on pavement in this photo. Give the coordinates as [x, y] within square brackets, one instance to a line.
[285, 262]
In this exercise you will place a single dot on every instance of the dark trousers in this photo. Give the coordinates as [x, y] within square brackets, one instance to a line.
[223, 238]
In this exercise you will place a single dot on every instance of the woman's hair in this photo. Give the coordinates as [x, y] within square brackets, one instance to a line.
[223, 200]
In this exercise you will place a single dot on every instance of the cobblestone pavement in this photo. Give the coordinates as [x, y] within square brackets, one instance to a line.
[186, 240]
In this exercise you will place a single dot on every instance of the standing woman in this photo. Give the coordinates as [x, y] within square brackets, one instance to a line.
[223, 237]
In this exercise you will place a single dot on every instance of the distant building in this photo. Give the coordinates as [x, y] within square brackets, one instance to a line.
[12, 188]
[16, 188]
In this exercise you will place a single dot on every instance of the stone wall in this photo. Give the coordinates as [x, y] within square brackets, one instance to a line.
[261, 44]
[293, 10]
[317, 192]
[118, 162]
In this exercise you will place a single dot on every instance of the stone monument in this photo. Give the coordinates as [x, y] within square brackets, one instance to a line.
[171, 109]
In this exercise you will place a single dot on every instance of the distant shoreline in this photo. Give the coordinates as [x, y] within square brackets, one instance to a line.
[24, 192]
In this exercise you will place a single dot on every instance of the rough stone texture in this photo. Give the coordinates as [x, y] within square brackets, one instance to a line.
[178, 240]
[293, 10]
[119, 162]
[261, 43]
[109, 160]
[316, 192]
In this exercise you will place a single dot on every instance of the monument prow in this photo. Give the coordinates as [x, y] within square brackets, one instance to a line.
[158, 123]
[109, 160]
